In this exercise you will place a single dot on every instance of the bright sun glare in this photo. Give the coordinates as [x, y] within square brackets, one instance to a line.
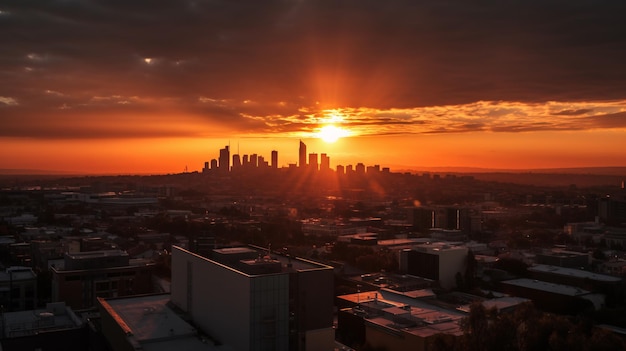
[330, 133]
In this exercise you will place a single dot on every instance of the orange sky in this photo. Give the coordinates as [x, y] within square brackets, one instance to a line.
[156, 86]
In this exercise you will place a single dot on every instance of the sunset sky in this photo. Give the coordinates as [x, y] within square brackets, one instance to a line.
[154, 86]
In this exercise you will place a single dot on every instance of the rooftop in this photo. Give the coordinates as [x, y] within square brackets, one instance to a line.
[16, 273]
[93, 254]
[55, 316]
[150, 322]
[547, 287]
[573, 273]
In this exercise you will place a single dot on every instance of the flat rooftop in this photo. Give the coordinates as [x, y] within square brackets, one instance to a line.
[24, 323]
[94, 254]
[572, 272]
[547, 287]
[17, 273]
[154, 325]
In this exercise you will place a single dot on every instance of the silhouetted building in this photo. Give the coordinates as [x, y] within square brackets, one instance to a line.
[421, 218]
[360, 168]
[254, 161]
[324, 162]
[224, 165]
[274, 159]
[612, 208]
[302, 155]
[236, 161]
[252, 300]
[313, 161]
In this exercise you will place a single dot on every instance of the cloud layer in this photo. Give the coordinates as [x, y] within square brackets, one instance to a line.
[115, 68]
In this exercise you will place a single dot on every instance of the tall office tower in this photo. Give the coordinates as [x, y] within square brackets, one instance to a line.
[260, 161]
[206, 167]
[302, 155]
[254, 160]
[313, 161]
[360, 168]
[252, 299]
[274, 159]
[236, 161]
[324, 162]
[341, 169]
[214, 164]
[348, 169]
[224, 159]
[245, 160]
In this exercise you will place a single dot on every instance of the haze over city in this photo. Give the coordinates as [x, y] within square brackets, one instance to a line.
[158, 86]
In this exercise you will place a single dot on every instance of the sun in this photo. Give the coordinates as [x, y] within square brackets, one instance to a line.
[330, 133]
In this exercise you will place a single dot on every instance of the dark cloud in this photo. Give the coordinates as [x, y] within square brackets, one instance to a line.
[572, 112]
[614, 120]
[358, 53]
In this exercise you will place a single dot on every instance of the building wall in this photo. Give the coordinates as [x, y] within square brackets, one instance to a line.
[18, 295]
[421, 264]
[73, 339]
[321, 339]
[116, 336]
[241, 311]
[392, 340]
[79, 289]
[451, 262]
[312, 304]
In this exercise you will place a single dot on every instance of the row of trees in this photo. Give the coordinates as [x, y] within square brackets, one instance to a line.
[527, 329]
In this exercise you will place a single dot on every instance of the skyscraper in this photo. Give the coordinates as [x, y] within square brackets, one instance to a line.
[224, 164]
[274, 159]
[324, 162]
[313, 161]
[302, 155]
[236, 161]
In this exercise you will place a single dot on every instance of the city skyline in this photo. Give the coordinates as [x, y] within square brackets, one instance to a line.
[155, 87]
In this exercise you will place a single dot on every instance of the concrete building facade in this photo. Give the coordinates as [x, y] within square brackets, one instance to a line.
[255, 301]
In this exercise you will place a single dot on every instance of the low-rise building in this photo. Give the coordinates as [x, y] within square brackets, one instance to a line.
[54, 328]
[149, 323]
[436, 261]
[551, 297]
[18, 289]
[85, 276]
[394, 321]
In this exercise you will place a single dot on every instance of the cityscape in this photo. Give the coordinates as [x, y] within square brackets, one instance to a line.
[246, 255]
[306, 161]
[307, 175]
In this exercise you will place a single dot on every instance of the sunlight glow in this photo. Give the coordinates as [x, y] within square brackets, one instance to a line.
[330, 133]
